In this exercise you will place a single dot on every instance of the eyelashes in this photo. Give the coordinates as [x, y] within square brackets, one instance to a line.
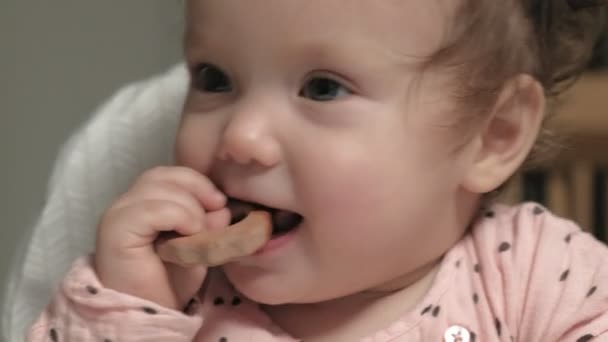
[323, 89]
[208, 78]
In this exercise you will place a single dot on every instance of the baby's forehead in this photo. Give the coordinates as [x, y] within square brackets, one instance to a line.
[412, 27]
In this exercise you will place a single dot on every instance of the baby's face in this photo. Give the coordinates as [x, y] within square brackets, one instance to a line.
[318, 107]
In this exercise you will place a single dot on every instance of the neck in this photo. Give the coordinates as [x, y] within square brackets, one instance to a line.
[351, 317]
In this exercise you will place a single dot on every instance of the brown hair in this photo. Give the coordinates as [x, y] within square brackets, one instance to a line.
[491, 41]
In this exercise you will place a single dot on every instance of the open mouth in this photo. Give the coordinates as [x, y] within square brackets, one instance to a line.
[283, 221]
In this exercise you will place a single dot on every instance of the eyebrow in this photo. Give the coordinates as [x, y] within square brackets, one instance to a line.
[330, 53]
[190, 39]
[195, 39]
[198, 38]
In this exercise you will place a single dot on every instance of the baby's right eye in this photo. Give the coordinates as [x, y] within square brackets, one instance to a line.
[209, 78]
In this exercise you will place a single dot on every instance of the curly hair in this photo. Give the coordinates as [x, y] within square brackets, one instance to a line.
[491, 41]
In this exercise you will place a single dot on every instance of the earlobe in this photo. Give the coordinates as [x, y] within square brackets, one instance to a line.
[508, 135]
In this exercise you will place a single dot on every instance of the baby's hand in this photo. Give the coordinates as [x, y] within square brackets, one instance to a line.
[162, 199]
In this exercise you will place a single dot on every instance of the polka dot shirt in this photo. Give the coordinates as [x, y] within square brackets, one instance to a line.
[520, 274]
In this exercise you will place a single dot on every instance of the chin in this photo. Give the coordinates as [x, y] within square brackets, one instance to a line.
[265, 289]
[262, 293]
[277, 292]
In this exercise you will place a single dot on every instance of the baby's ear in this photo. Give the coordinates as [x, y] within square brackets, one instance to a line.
[506, 138]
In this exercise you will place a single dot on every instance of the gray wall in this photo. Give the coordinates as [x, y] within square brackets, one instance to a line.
[59, 60]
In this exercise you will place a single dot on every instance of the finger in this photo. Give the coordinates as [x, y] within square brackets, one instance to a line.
[213, 220]
[210, 197]
[150, 191]
[218, 219]
[138, 225]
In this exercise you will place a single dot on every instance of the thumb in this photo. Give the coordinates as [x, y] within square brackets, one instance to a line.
[216, 220]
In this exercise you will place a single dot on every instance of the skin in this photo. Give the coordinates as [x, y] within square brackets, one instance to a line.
[261, 142]
[372, 168]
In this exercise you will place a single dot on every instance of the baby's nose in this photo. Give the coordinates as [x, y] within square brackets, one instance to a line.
[248, 138]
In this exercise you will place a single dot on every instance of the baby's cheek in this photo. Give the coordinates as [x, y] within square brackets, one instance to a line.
[355, 197]
[362, 213]
[196, 142]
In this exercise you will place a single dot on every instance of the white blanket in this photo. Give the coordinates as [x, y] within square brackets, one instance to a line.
[132, 132]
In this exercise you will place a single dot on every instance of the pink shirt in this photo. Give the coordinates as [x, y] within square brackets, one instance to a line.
[521, 274]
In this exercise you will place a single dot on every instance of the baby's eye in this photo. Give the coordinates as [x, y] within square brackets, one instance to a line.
[323, 89]
[209, 78]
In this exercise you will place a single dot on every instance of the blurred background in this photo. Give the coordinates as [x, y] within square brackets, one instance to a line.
[574, 183]
[59, 60]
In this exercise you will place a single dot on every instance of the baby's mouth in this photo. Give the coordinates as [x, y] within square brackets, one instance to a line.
[283, 221]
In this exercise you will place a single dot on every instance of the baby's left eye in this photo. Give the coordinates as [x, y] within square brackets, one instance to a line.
[323, 89]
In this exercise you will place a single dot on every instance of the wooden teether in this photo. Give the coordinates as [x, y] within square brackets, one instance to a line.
[219, 247]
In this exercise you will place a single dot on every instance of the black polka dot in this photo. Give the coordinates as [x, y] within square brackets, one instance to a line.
[223, 339]
[489, 214]
[477, 268]
[473, 336]
[218, 301]
[436, 311]
[585, 338]
[190, 306]
[458, 264]
[505, 246]
[538, 210]
[591, 291]
[92, 290]
[149, 310]
[53, 335]
[475, 298]
[107, 340]
[498, 326]
[564, 275]
[427, 309]
[568, 238]
[236, 301]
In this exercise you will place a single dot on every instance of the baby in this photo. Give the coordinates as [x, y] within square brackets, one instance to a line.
[375, 133]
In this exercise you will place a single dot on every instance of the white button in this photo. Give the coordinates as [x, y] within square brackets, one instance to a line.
[456, 333]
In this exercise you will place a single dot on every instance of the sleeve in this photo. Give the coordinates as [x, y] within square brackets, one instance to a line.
[553, 276]
[83, 310]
